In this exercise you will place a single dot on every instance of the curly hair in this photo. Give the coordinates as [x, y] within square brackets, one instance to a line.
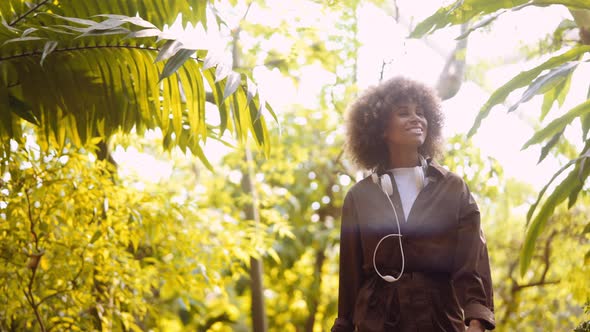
[368, 116]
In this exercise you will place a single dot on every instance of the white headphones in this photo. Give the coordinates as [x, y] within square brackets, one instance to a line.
[385, 184]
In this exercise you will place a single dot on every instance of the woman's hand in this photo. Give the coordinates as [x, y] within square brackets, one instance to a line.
[475, 326]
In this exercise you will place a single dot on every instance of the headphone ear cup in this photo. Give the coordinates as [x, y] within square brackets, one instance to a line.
[375, 178]
[386, 184]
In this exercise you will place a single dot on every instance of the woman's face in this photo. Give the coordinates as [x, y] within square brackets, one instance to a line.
[407, 126]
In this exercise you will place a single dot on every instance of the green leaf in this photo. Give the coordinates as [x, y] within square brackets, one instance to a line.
[217, 92]
[100, 33]
[28, 31]
[558, 93]
[212, 59]
[524, 79]
[545, 150]
[95, 236]
[569, 187]
[486, 21]
[22, 39]
[574, 4]
[559, 124]
[583, 172]
[535, 228]
[198, 151]
[169, 49]
[586, 121]
[458, 13]
[463, 11]
[232, 84]
[546, 82]
[544, 189]
[252, 89]
[222, 70]
[175, 62]
[144, 33]
[47, 49]
[77, 20]
[133, 20]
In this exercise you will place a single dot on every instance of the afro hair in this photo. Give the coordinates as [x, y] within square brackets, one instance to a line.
[367, 118]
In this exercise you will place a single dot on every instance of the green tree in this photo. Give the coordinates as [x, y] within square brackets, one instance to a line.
[86, 69]
[81, 252]
[552, 80]
[554, 289]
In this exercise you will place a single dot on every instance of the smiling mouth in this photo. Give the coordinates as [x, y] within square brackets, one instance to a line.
[416, 130]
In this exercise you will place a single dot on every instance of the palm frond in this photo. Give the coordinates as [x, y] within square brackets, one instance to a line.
[15, 12]
[79, 77]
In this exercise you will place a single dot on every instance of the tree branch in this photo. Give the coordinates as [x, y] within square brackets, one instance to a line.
[81, 48]
[582, 19]
[33, 264]
[453, 73]
[27, 13]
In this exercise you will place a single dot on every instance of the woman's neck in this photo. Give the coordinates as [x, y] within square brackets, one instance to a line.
[403, 159]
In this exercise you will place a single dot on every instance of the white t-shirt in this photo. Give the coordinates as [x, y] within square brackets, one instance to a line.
[409, 182]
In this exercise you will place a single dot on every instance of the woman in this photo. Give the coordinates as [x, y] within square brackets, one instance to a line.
[436, 275]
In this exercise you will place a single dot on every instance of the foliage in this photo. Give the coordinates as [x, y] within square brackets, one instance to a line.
[557, 283]
[550, 79]
[101, 250]
[83, 252]
[585, 326]
[298, 186]
[303, 181]
[85, 69]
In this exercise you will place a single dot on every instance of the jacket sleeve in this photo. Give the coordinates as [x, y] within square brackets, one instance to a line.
[471, 270]
[350, 266]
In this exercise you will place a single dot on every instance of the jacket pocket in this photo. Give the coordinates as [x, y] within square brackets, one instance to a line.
[440, 317]
[373, 307]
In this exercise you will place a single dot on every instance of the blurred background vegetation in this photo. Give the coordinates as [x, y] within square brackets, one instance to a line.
[229, 220]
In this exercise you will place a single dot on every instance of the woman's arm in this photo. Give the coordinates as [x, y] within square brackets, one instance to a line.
[471, 272]
[350, 266]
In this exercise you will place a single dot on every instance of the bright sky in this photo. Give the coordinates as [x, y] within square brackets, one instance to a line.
[500, 136]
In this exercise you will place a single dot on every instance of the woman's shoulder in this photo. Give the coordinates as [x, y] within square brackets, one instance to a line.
[361, 186]
[446, 175]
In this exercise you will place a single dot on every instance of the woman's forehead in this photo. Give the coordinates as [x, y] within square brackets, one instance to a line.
[404, 103]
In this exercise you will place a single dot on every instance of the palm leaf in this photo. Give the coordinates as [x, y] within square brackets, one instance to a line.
[569, 187]
[523, 79]
[463, 11]
[558, 125]
[96, 72]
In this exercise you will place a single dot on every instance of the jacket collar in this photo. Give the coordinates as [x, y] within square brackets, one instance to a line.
[435, 171]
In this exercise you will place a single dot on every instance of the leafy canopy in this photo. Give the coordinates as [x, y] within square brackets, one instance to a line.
[551, 79]
[86, 69]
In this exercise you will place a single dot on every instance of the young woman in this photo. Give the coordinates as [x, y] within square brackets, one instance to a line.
[412, 253]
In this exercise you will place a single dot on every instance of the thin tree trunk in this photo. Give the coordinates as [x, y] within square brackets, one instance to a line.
[259, 323]
[320, 257]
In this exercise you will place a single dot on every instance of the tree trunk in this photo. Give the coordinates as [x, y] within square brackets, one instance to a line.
[259, 323]
[453, 73]
[320, 257]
